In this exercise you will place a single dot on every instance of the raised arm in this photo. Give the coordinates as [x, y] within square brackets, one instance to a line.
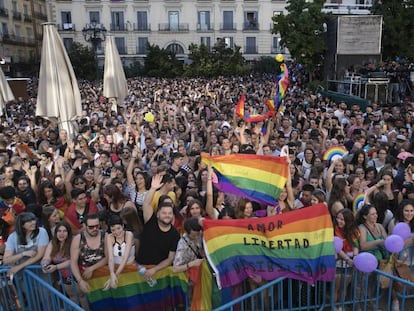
[146, 206]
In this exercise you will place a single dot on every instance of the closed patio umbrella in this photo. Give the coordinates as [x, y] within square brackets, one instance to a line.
[58, 96]
[115, 84]
[6, 94]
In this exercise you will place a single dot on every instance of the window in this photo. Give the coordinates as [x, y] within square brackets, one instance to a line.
[203, 20]
[94, 17]
[29, 32]
[5, 29]
[228, 41]
[142, 20]
[251, 45]
[14, 6]
[175, 48]
[250, 20]
[68, 42]
[142, 45]
[173, 20]
[120, 44]
[25, 9]
[117, 20]
[66, 20]
[228, 20]
[206, 41]
[18, 31]
[276, 47]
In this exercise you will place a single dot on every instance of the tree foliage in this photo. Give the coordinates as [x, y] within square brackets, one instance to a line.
[265, 64]
[398, 27]
[221, 61]
[83, 61]
[162, 63]
[302, 31]
[134, 70]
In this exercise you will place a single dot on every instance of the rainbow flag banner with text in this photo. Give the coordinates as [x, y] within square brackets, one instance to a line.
[298, 245]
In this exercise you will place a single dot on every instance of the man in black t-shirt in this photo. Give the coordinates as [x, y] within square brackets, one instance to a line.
[159, 238]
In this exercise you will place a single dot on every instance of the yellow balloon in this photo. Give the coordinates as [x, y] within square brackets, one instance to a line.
[149, 117]
[279, 58]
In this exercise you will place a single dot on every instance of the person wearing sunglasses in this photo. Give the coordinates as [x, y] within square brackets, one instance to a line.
[81, 206]
[121, 251]
[88, 251]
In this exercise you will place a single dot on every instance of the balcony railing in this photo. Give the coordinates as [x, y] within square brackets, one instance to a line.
[205, 27]
[118, 27]
[142, 27]
[182, 27]
[277, 50]
[66, 27]
[250, 49]
[347, 9]
[17, 15]
[247, 26]
[17, 40]
[4, 12]
[142, 50]
[40, 15]
[27, 18]
[228, 27]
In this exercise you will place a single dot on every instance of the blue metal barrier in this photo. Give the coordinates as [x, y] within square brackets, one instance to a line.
[363, 293]
[31, 290]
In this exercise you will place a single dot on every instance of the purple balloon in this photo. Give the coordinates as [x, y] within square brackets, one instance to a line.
[403, 230]
[338, 243]
[394, 243]
[365, 262]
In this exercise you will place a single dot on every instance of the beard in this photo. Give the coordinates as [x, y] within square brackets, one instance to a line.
[165, 223]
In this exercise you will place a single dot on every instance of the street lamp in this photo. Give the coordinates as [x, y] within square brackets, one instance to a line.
[94, 33]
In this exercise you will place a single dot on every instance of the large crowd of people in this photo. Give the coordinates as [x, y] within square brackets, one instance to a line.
[127, 185]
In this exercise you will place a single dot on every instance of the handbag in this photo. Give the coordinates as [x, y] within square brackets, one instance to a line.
[386, 266]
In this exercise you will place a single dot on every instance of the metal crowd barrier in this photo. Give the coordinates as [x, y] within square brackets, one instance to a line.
[357, 291]
[31, 290]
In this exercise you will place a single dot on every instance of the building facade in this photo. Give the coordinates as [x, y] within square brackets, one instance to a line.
[172, 24]
[21, 33]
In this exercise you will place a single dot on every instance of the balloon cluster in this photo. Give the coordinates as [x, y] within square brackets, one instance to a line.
[394, 243]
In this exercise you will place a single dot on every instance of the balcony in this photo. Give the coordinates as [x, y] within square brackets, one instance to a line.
[17, 40]
[142, 50]
[27, 18]
[249, 26]
[142, 27]
[182, 27]
[66, 27]
[40, 15]
[228, 27]
[205, 27]
[277, 50]
[17, 15]
[118, 27]
[4, 12]
[347, 8]
[250, 49]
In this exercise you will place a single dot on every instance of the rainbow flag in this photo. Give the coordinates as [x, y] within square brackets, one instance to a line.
[246, 116]
[298, 245]
[282, 83]
[133, 292]
[255, 177]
